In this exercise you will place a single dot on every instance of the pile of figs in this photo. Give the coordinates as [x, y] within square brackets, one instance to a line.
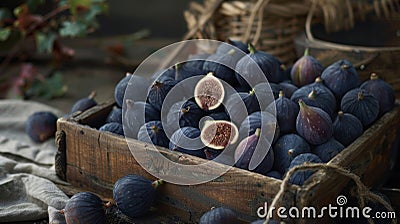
[306, 113]
[133, 197]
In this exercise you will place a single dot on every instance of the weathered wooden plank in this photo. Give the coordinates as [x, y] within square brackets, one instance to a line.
[95, 160]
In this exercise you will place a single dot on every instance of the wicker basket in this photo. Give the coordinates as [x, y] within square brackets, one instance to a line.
[271, 25]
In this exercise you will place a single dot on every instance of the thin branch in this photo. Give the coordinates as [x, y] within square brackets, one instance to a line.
[17, 47]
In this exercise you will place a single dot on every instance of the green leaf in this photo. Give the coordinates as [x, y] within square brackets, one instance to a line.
[62, 2]
[49, 88]
[45, 41]
[4, 33]
[74, 4]
[73, 29]
[4, 13]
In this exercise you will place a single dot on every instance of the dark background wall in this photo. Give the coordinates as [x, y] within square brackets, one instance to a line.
[164, 18]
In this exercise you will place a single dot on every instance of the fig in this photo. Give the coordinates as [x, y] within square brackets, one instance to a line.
[186, 140]
[240, 105]
[247, 68]
[299, 177]
[113, 127]
[84, 207]
[328, 150]
[260, 119]
[276, 88]
[189, 69]
[220, 215]
[209, 92]
[153, 132]
[286, 113]
[347, 128]
[340, 77]
[136, 114]
[134, 195]
[222, 65]
[167, 75]
[224, 48]
[157, 93]
[115, 115]
[184, 114]
[317, 95]
[254, 153]
[305, 70]
[84, 103]
[274, 174]
[382, 91]
[218, 134]
[313, 124]
[361, 104]
[41, 126]
[137, 85]
[196, 62]
[286, 148]
[287, 88]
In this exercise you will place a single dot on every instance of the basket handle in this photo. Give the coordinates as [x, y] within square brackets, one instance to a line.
[257, 9]
[204, 18]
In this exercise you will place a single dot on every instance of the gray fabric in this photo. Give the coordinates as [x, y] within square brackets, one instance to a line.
[27, 176]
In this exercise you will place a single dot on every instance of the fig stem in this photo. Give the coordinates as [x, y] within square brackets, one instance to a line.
[374, 76]
[157, 183]
[340, 114]
[251, 48]
[231, 51]
[176, 71]
[302, 104]
[307, 52]
[360, 95]
[281, 93]
[257, 132]
[154, 128]
[318, 79]
[312, 94]
[345, 66]
[252, 91]
[92, 95]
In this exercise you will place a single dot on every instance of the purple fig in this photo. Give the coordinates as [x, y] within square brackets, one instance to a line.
[254, 153]
[340, 77]
[305, 70]
[382, 91]
[313, 124]
[347, 128]
[361, 104]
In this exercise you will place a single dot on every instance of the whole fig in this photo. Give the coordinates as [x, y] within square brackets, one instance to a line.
[340, 77]
[134, 195]
[305, 70]
[41, 126]
[299, 177]
[286, 148]
[313, 124]
[255, 153]
[220, 215]
[347, 128]
[85, 207]
[361, 104]
[382, 91]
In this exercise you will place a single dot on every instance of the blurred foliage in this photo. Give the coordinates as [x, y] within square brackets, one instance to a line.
[26, 22]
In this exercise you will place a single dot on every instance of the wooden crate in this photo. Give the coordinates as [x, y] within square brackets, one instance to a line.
[92, 161]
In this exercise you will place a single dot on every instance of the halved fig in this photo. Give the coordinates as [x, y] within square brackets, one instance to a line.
[209, 92]
[217, 134]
